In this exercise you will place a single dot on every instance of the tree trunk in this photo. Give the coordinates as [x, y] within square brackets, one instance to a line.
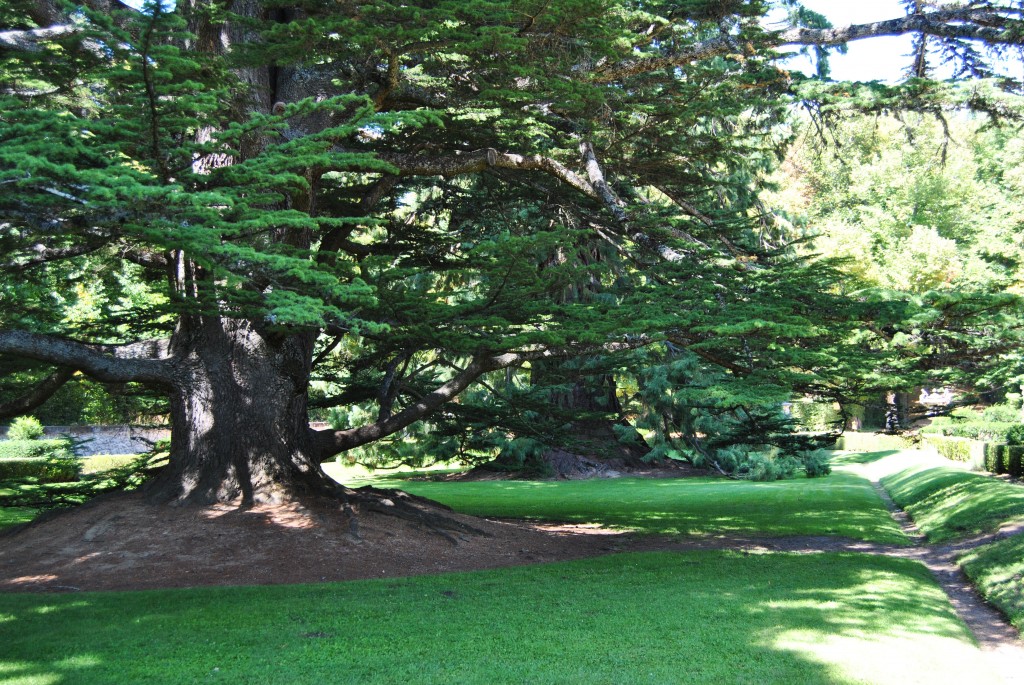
[240, 428]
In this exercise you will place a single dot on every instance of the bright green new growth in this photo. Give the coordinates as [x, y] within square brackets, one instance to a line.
[25, 428]
[708, 617]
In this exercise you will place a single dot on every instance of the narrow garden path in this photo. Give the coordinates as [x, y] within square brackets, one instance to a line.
[994, 633]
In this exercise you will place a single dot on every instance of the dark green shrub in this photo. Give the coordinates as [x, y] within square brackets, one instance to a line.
[1013, 462]
[1001, 413]
[769, 466]
[1015, 435]
[43, 469]
[994, 458]
[59, 448]
[25, 428]
[816, 464]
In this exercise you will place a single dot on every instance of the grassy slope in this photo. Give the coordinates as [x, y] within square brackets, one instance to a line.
[949, 503]
[703, 617]
[998, 571]
[843, 504]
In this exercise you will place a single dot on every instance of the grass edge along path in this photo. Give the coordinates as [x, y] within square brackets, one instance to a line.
[653, 617]
[948, 503]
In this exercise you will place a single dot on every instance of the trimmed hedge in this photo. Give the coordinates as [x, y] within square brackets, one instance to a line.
[874, 442]
[973, 452]
[1007, 459]
[59, 448]
[988, 431]
[44, 469]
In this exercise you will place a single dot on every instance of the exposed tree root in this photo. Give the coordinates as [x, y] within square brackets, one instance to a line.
[418, 510]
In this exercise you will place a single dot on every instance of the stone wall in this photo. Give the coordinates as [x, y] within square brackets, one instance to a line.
[91, 440]
[117, 439]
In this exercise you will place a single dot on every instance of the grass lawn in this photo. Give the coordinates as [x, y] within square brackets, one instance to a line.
[12, 516]
[949, 503]
[698, 617]
[842, 504]
[998, 571]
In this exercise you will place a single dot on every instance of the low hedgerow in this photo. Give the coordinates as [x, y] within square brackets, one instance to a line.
[875, 442]
[58, 448]
[1008, 459]
[42, 469]
[952, 448]
[105, 462]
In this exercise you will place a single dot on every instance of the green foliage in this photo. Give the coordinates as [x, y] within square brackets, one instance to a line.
[543, 623]
[40, 469]
[29, 449]
[949, 503]
[956, 449]
[25, 428]
[817, 464]
[1015, 435]
[31, 491]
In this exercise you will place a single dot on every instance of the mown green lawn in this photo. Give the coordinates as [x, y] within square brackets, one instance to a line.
[699, 617]
[12, 516]
[842, 504]
[998, 571]
[948, 503]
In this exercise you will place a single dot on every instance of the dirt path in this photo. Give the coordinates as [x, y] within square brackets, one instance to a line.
[995, 635]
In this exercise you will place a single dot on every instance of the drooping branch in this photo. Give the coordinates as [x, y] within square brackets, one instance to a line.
[332, 442]
[142, 361]
[37, 395]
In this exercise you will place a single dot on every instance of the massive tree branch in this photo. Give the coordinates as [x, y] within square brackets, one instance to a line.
[37, 395]
[31, 39]
[41, 254]
[995, 26]
[482, 160]
[141, 361]
[976, 24]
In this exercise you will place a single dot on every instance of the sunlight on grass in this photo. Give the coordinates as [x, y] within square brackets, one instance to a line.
[843, 504]
[698, 617]
[948, 503]
[12, 516]
[998, 571]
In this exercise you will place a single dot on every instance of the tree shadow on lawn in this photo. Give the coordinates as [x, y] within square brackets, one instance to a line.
[697, 617]
[843, 504]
